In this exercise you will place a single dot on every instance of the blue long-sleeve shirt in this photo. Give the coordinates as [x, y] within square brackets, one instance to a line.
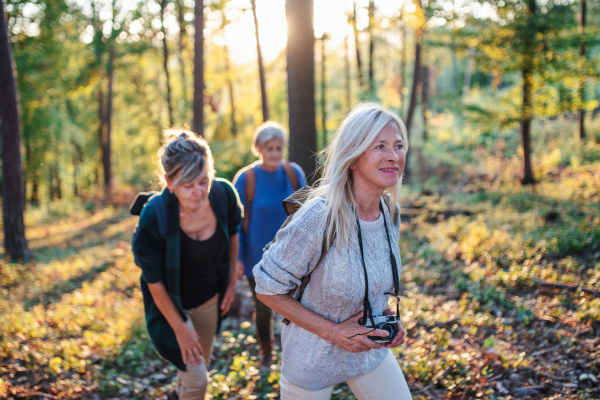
[266, 213]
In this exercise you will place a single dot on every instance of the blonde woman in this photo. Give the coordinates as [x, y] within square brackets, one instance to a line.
[355, 208]
[262, 186]
[186, 244]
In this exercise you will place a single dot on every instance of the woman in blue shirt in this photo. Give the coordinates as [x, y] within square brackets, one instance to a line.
[263, 186]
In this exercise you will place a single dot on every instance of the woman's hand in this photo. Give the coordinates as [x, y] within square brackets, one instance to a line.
[399, 338]
[240, 270]
[351, 336]
[229, 296]
[191, 350]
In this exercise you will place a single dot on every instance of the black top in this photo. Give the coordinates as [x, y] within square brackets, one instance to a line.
[200, 277]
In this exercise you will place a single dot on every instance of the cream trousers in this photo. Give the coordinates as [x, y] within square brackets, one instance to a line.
[192, 383]
[386, 382]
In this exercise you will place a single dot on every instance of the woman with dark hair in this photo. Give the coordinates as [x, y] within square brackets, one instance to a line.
[186, 244]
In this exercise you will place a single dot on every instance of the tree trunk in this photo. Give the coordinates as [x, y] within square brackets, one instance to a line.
[526, 128]
[425, 98]
[13, 189]
[413, 101]
[231, 93]
[454, 82]
[527, 102]
[101, 128]
[371, 46]
[301, 84]
[261, 68]
[163, 4]
[583, 79]
[415, 88]
[323, 93]
[35, 189]
[347, 70]
[106, 139]
[401, 72]
[469, 72]
[180, 12]
[403, 66]
[361, 82]
[199, 68]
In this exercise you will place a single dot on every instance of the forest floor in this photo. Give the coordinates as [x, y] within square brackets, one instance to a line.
[501, 300]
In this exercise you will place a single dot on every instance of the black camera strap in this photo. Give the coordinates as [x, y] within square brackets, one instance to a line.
[368, 312]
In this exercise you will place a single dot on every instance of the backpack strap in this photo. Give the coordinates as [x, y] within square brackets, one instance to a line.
[291, 174]
[327, 245]
[222, 200]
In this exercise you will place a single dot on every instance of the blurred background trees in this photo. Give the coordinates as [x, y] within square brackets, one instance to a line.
[99, 81]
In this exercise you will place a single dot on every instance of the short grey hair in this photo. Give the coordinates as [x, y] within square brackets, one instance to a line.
[268, 131]
[184, 152]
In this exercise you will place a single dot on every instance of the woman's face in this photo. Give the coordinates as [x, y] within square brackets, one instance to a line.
[271, 153]
[383, 163]
[191, 195]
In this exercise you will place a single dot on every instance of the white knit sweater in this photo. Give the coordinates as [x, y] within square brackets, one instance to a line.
[336, 291]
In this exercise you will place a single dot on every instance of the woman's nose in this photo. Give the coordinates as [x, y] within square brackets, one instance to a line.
[393, 156]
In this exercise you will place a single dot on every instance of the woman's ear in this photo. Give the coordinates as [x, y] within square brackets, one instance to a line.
[169, 183]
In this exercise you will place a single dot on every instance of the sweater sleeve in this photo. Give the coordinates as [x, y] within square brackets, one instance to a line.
[294, 254]
[240, 185]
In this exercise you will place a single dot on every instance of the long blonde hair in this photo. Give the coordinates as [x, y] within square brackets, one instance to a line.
[354, 136]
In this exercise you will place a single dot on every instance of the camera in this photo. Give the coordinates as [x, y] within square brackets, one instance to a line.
[388, 323]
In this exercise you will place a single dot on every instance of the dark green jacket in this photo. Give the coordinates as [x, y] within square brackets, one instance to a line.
[160, 260]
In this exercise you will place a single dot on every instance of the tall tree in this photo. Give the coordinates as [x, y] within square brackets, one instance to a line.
[163, 30]
[583, 79]
[347, 82]
[323, 39]
[301, 84]
[198, 125]
[402, 58]
[371, 46]
[13, 190]
[182, 34]
[261, 67]
[357, 47]
[425, 99]
[231, 92]
[527, 73]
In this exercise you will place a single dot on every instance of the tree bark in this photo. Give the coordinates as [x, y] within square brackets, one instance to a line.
[199, 68]
[583, 79]
[13, 189]
[425, 99]
[361, 82]
[163, 4]
[301, 85]
[231, 92]
[182, 33]
[371, 46]
[101, 127]
[347, 71]
[526, 128]
[413, 102]
[415, 88]
[106, 139]
[402, 58]
[323, 93]
[469, 72]
[261, 68]
[527, 101]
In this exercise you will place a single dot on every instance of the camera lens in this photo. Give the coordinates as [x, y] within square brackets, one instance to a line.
[389, 328]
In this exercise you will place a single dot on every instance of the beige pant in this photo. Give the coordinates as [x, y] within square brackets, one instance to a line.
[192, 383]
[386, 382]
